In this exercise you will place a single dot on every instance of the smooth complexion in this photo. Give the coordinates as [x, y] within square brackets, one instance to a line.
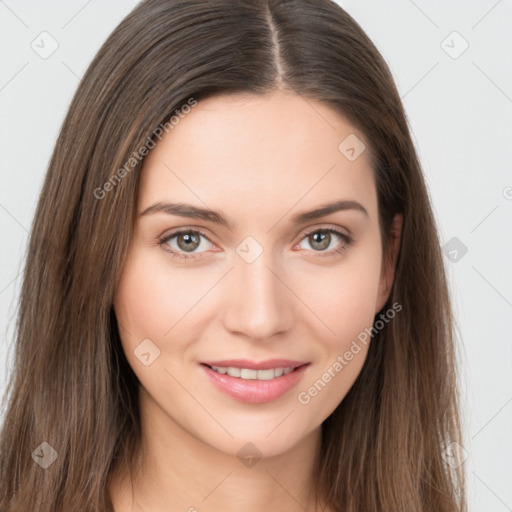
[258, 162]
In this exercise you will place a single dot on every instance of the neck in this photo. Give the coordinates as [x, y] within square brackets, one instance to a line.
[177, 471]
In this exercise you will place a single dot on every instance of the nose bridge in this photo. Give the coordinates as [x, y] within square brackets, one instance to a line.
[259, 304]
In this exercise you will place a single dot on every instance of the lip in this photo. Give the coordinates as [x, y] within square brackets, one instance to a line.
[251, 390]
[253, 365]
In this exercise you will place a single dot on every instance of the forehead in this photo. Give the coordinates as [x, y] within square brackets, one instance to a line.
[258, 154]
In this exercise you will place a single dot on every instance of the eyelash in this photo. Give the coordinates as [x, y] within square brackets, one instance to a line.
[340, 249]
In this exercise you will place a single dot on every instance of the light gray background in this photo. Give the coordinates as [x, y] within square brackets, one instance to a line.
[459, 110]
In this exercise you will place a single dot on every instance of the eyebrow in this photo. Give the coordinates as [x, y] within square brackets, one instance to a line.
[194, 212]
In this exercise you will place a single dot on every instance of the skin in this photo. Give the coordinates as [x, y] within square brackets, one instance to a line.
[258, 161]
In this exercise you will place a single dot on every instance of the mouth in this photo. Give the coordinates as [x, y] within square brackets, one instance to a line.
[251, 374]
[251, 382]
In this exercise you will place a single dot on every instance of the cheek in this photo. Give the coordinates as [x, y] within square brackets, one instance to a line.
[140, 303]
[343, 297]
[137, 303]
[347, 307]
[154, 300]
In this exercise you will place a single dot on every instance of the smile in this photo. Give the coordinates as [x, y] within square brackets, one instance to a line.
[255, 385]
[249, 374]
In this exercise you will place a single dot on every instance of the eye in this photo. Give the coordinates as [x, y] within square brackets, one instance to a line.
[183, 244]
[321, 239]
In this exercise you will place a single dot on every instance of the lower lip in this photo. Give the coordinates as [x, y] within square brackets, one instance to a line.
[255, 391]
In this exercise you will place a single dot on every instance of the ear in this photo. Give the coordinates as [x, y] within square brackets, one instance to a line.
[389, 262]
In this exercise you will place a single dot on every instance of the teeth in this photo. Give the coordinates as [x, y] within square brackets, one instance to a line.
[233, 372]
[247, 374]
[265, 374]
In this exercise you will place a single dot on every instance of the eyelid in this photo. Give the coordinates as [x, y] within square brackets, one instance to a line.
[195, 229]
[167, 236]
[316, 227]
[347, 240]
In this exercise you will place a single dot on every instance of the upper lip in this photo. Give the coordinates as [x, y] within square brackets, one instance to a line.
[254, 365]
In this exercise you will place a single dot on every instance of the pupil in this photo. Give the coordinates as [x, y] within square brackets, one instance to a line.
[322, 239]
[190, 243]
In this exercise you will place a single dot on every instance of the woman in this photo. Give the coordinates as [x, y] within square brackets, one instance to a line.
[234, 294]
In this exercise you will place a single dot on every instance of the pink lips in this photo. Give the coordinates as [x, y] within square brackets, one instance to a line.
[252, 365]
[251, 390]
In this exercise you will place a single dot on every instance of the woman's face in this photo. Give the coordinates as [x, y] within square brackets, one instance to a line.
[261, 280]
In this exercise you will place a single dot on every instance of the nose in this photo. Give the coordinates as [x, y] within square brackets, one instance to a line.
[260, 305]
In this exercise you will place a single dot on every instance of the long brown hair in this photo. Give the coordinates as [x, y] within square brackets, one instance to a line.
[71, 386]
